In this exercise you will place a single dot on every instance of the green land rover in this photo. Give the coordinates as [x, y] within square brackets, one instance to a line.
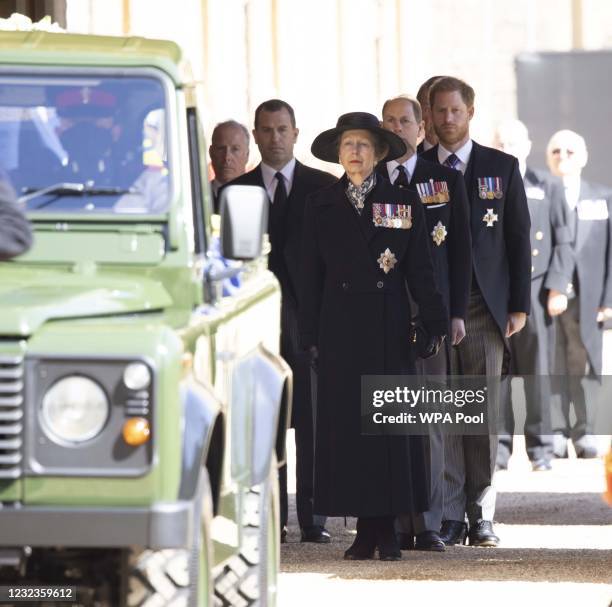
[143, 402]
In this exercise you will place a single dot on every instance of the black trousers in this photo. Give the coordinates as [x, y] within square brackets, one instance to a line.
[302, 420]
[532, 352]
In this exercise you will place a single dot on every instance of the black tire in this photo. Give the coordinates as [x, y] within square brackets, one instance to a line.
[250, 577]
[175, 577]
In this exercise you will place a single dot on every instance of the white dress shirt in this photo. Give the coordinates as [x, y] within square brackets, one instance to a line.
[270, 181]
[409, 165]
[463, 153]
[572, 191]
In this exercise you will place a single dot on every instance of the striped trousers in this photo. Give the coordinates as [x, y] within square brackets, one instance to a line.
[469, 461]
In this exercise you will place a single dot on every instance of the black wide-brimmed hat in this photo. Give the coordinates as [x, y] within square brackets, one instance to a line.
[325, 145]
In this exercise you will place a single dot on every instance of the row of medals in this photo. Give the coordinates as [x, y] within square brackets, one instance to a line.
[393, 222]
[488, 194]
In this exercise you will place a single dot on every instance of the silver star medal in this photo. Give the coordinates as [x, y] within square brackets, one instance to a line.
[386, 261]
[490, 218]
[439, 233]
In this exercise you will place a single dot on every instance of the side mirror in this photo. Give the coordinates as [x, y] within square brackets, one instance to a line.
[244, 220]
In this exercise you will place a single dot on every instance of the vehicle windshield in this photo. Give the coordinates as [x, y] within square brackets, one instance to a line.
[72, 144]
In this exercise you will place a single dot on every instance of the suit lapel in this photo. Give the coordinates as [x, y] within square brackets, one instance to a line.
[583, 227]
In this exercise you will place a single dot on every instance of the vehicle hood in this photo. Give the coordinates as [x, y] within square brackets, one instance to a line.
[29, 298]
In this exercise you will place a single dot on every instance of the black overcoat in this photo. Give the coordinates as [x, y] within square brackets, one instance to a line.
[452, 257]
[501, 253]
[592, 264]
[286, 267]
[359, 318]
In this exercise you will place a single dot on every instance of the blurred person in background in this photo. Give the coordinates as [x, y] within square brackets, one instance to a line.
[229, 154]
[442, 193]
[15, 229]
[533, 347]
[430, 138]
[364, 244]
[586, 301]
[498, 303]
[287, 182]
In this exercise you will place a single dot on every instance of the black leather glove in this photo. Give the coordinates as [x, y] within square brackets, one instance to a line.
[313, 351]
[425, 346]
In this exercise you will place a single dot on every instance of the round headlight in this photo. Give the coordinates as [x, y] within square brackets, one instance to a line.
[74, 409]
[137, 376]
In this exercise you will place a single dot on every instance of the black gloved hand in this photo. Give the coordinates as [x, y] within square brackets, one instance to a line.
[313, 351]
[432, 347]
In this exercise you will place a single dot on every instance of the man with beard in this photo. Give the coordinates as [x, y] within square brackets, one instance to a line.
[287, 182]
[587, 296]
[498, 304]
[444, 199]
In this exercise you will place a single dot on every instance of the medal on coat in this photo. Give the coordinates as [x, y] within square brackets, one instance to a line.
[397, 216]
[433, 192]
[386, 261]
[490, 188]
[490, 218]
[439, 233]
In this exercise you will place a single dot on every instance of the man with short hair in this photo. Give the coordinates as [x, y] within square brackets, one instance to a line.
[288, 182]
[586, 300]
[499, 298]
[533, 348]
[444, 199]
[430, 138]
[229, 154]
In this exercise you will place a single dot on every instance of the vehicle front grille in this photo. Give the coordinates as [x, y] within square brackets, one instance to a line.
[11, 416]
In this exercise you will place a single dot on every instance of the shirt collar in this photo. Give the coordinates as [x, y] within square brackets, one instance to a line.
[268, 175]
[463, 153]
[409, 165]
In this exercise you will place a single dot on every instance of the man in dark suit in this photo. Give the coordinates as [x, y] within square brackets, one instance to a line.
[430, 138]
[287, 182]
[499, 298]
[444, 200]
[533, 348]
[587, 296]
[229, 153]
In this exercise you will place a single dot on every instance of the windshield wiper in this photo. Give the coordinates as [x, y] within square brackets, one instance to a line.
[71, 189]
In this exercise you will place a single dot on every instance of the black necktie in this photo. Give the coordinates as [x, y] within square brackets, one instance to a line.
[402, 177]
[276, 226]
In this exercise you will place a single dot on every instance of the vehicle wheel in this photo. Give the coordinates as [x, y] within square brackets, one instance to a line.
[176, 577]
[250, 578]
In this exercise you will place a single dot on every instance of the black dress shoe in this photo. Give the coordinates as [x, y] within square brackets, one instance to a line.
[541, 465]
[453, 532]
[430, 541]
[316, 534]
[364, 545]
[405, 541]
[386, 540]
[481, 534]
[283, 535]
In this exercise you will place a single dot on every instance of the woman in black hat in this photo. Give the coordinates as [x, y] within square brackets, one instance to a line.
[364, 242]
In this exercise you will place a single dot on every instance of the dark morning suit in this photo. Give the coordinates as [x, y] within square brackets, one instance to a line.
[579, 336]
[452, 260]
[501, 259]
[533, 347]
[358, 317]
[286, 266]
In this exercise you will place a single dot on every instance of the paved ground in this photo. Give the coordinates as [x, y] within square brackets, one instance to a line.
[556, 548]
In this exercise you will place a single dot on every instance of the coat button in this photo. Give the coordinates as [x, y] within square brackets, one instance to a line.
[380, 284]
[345, 286]
[535, 252]
[539, 235]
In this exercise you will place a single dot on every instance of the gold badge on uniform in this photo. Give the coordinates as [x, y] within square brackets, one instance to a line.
[386, 261]
[490, 188]
[397, 216]
[490, 218]
[439, 233]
